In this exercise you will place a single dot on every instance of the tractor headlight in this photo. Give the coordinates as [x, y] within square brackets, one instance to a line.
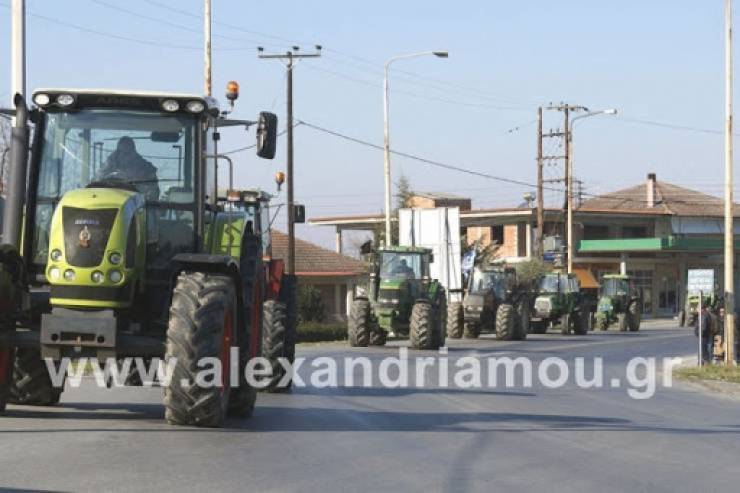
[170, 105]
[55, 273]
[97, 277]
[115, 276]
[41, 99]
[56, 255]
[69, 275]
[115, 258]
[195, 106]
[65, 100]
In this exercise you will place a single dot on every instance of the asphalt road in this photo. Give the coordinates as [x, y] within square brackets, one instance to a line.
[403, 439]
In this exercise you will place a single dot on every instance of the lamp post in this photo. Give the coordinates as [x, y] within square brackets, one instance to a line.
[569, 173]
[386, 135]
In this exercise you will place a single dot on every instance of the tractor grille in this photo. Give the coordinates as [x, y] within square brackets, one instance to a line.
[86, 233]
[389, 297]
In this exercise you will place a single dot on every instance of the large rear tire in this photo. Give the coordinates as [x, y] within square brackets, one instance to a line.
[455, 320]
[31, 384]
[276, 343]
[359, 324]
[422, 326]
[202, 324]
[580, 327]
[522, 320]
[505, 322]
[440, 322]
[633, 318]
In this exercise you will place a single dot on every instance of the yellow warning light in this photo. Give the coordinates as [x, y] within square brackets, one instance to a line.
[232, 90]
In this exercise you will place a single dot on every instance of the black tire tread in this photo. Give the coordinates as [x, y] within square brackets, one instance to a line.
[421, 328]
[359, 323]
[195, 331]
[505, 322]
[31, 384]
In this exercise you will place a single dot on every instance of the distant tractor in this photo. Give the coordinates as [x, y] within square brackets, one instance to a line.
[118, 244]
[618, 302]
[690, 313]
[559, 300]
[400, 300]
[495, 302]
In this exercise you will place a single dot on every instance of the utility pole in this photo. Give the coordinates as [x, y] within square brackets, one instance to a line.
[729, 213]
[207, 39]
[18, 37]
[540, 190]
[289, 58]
[567, 175]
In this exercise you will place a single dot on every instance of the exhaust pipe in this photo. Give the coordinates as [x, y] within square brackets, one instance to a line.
[15, 196]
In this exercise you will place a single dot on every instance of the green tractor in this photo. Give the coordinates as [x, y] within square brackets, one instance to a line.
[117, 245]
[559, 300]
[618, 302]
[400, 300]
[494, 301]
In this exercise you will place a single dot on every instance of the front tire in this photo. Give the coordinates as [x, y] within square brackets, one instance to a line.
[471, 330]
[522, 320]
[505, 322]
[565, 324]
[581, 325]
[421, 329]
[682, 318]
[202, 324]
[6, 375]
[455, 320]
[633, 319]
[31, 384]
[358, 326]
[622, 321]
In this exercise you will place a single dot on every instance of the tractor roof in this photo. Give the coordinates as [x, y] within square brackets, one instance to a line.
[617, 276]
[245, 195]
[405, 249]
[563, 274]
[116, 97]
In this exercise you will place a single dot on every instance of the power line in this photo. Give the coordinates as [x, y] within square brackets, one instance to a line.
[242, 149]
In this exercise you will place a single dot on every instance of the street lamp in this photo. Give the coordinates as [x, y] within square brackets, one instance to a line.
[569, 165]
[386, 135]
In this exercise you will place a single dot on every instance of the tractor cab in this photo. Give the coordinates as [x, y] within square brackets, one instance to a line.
[401, 273]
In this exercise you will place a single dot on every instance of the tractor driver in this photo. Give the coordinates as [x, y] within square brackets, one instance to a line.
[403, 269]
[127, 165]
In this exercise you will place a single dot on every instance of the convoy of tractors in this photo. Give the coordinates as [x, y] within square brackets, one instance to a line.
[118, 242]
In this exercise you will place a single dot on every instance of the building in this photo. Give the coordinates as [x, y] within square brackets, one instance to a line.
[333, 274]
[654, 231]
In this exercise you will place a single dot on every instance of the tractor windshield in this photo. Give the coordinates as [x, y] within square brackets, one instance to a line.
[483, 282]
[616, 287]
[144, 151]
[551, 284]
[400, 265]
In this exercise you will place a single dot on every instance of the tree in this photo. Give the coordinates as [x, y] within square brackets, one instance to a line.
[311, 307]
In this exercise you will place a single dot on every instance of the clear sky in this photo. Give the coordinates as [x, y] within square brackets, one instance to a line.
[657, 61]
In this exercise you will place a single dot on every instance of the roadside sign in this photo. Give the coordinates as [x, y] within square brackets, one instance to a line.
[700, 280]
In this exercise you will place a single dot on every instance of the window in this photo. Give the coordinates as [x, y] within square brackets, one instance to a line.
[398, 265]
[497, 235]
[595, 232]
[130, 149]
[634, 232]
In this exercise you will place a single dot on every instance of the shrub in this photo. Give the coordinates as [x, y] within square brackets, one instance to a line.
[317, 332]
[311, 306]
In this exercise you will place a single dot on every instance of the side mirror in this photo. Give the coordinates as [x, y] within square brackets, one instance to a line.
[299, 214]
[267, 135]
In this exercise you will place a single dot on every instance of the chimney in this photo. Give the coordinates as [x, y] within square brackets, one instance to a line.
[651, 190]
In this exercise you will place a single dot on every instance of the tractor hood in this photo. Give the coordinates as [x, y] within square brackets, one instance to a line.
[97, 236]
[474, 300]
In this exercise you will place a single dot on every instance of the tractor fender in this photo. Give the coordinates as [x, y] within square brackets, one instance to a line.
[213, 264]
[276, 271]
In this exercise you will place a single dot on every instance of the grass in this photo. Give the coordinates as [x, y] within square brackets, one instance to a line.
[321, 332]
[710, 372]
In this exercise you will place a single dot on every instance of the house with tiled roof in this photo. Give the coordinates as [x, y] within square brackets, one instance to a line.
[332, 273]
[654, 231]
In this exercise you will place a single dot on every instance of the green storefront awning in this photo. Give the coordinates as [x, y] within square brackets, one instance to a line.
[656, 244]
